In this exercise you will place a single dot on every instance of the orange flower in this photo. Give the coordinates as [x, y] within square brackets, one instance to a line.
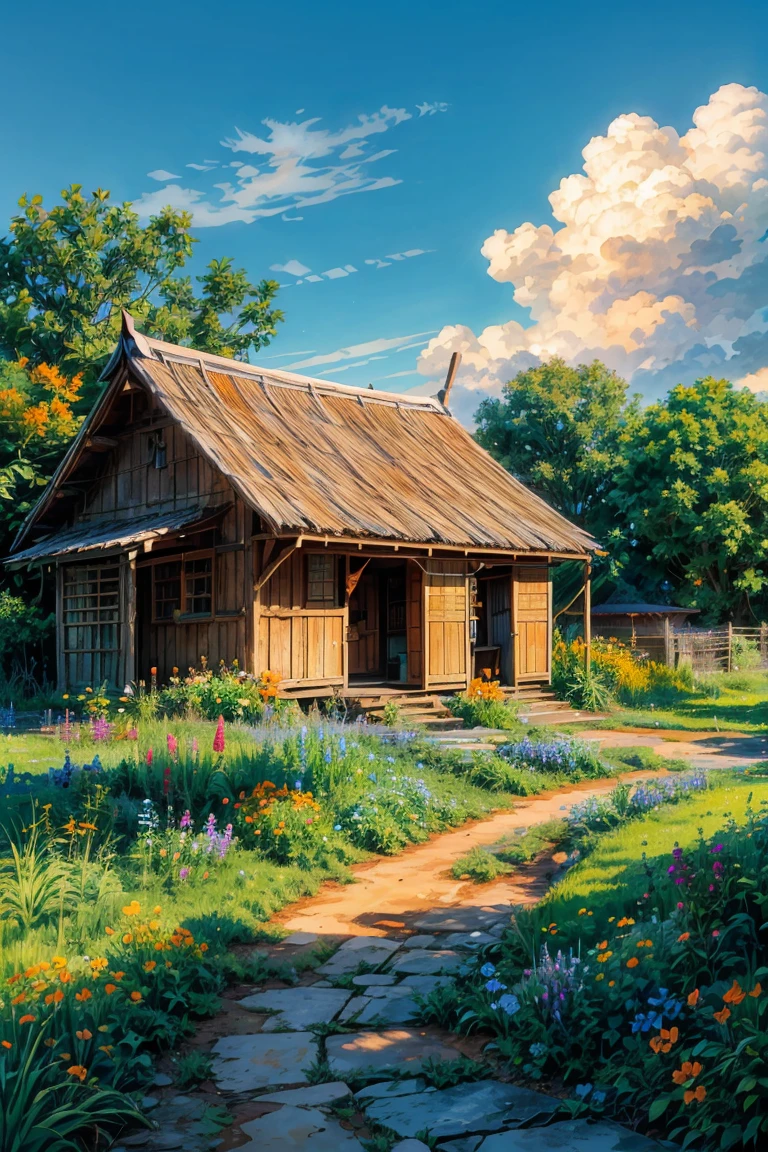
[55, 997]
[632, 962]
[65, 976]
[117, 975]
[78, 1071]
[698, 1094]
[127, 938]
[722, 1015]
[109, 931]
[683, 936]
[203, 947]
[83, 995]
[110, 988]
[6, 1043]
[757, 990]
[687, 1071]
[600, 947]
[136, 997]
[693, 998]
[20, 998]
[84, 1034]
[149, 965]
[735, 994]
[28, 1019]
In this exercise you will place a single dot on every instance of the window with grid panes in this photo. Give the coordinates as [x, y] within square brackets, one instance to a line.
[91, 619]
[322, 591]
[183, 588]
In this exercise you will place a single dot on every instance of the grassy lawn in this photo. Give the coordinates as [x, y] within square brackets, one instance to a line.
[727, 702]
[616, 870]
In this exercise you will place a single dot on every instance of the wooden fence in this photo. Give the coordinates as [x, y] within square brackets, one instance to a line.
[729, 648]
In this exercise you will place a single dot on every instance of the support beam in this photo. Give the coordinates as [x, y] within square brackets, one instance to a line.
[270, 569]
[587, 616]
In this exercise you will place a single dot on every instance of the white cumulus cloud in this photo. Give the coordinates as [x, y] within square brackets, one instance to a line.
[657, 262]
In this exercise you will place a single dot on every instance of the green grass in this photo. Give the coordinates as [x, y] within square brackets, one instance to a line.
[614, 870]
[725, 702]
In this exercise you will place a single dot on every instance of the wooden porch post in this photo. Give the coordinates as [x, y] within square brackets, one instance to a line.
[61, 671]
[587, 615]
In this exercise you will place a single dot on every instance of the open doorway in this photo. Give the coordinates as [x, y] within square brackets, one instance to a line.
[378, 625]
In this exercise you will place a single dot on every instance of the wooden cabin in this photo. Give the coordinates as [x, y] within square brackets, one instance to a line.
[645, 626]
[337, 536]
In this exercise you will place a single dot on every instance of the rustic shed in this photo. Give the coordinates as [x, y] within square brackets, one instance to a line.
[645, 626]
[335, 535]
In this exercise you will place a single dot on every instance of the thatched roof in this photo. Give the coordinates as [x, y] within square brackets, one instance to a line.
[312, 457]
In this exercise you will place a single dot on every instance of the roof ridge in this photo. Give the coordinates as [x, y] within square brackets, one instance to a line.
[283, 377]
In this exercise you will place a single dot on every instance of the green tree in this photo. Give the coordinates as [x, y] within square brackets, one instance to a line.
[66, 273]
[691, 498]
[557, 430]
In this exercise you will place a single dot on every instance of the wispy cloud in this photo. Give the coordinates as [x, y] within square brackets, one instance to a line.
[427, 109]
[292, 166]
[369, 348]
[292, 267]
[161, 174]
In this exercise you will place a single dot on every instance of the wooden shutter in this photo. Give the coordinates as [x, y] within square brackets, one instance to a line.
[531, 623]
[446, 615]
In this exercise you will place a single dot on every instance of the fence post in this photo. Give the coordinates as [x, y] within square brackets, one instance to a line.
[669, 649]
[764, 643]
[588, 616]
[730, 646]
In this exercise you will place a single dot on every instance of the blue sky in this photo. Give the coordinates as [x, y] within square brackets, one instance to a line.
[474, 116]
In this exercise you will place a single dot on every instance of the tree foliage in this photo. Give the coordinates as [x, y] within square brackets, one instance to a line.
[37, 421]
[691, 498]
[66, 273]
[557, 429]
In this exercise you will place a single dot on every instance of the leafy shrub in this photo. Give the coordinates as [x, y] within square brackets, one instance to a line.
[745, 653]
[493, 772]
[479, 865]
[616, 671]
[484, 705]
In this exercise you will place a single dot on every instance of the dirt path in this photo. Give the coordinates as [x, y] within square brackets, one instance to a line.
[395, 892]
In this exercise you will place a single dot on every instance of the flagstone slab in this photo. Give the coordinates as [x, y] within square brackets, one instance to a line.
[371, 950]
[385, 1051]
[425, 984]
[487, 1105]
[459, 919]
[297, 1008]
[290, 1128]
[314, 1096]
[467, 940]
[570, 1136]
[463, 1144]
[420, 941]
[299, 939]
[390, 1088]
[249, 1063]
[396, 1009]
[373, 979]
[423, 962]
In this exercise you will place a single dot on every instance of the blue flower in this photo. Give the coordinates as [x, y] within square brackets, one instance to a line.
[495, 985]
[582, 1091]
[337, 827]
[487, 970]
[509, 1003]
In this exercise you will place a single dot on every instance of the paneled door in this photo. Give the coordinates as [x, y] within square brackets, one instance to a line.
[531, 623]
[363, 647]
[446, 615]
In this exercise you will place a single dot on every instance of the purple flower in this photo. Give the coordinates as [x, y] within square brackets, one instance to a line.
[183, 873]
[186, 820]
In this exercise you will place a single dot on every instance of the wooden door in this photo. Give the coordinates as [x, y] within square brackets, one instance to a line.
[531, 623]
[499, 616]
[446, 616]
[414, 629]
[364, 645]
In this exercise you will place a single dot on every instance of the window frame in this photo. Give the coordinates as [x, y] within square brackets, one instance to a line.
[332, 580]
[181, 615]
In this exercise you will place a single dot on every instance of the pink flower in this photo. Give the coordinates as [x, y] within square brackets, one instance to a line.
[149, 757]
[716, 933]
[218, 740]
[173, 744]
[195, 746]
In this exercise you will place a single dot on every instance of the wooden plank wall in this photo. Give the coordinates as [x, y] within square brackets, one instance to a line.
[297, 642]
[532, 622]
[414, 607]
[129, 486]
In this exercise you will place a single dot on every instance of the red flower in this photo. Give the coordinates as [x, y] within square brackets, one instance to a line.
[149, 757]
[218, 740]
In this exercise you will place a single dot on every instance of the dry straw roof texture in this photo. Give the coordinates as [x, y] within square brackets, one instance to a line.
[324, 459]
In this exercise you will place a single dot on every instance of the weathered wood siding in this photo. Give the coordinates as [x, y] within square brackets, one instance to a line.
[127, 486]
[297, 642]
[364, 645]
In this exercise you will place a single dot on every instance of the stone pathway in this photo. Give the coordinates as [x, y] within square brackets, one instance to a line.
[337, 1059]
